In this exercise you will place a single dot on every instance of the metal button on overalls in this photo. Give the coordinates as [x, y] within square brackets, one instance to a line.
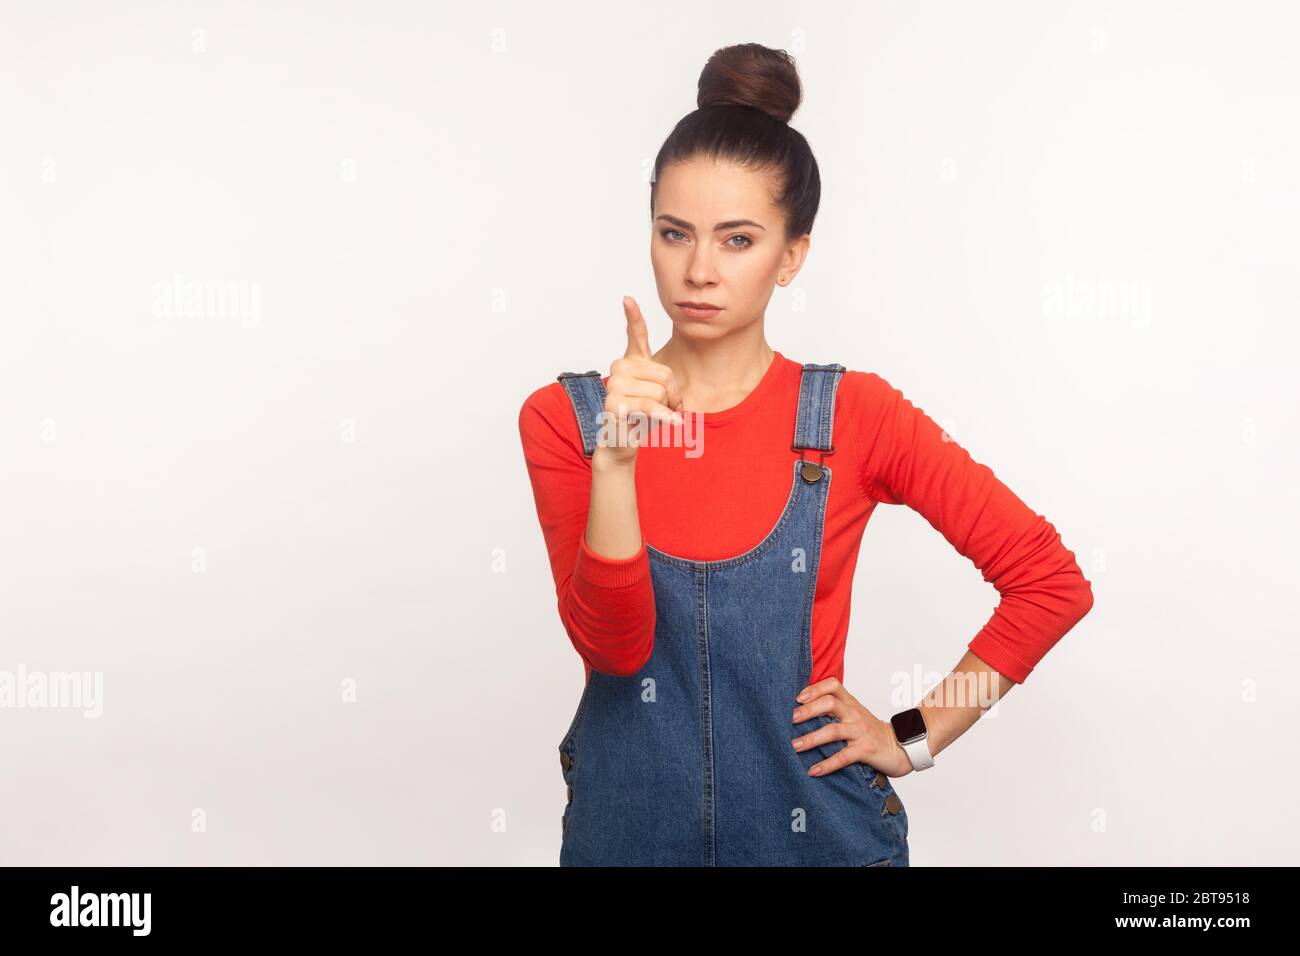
[689, 761]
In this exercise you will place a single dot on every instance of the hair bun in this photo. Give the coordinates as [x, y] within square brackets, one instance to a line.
[750, 74]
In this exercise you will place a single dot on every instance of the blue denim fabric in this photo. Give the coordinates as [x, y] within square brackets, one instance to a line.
[689, 761]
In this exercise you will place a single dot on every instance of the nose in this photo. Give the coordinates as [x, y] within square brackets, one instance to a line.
[702, 271]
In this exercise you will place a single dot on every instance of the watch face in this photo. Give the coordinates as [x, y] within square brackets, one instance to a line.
[908, 725]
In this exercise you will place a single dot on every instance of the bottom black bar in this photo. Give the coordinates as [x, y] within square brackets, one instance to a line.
[356, 905]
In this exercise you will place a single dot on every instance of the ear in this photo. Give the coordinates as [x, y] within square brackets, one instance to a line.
[793, 258]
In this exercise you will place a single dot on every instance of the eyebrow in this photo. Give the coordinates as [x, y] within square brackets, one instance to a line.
[729, 224]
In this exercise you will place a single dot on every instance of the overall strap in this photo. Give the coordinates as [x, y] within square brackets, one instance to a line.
[812, 424]
[587, 393]
[816, 415]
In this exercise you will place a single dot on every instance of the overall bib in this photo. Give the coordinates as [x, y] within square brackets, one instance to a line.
[689, 761]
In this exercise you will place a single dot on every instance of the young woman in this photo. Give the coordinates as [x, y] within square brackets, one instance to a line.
[714, 727]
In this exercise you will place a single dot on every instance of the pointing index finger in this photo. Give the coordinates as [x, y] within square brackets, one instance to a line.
[638, 339]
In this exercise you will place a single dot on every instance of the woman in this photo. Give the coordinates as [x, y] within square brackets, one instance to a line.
[714, 728]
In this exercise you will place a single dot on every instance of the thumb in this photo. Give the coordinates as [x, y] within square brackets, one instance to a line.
[638, 339]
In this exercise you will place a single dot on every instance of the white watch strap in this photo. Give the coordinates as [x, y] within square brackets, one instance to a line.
[918, 751]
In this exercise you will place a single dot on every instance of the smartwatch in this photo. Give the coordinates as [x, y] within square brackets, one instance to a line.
[909, 728]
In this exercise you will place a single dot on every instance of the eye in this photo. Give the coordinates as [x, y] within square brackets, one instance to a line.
[740, 235]
[665, 232]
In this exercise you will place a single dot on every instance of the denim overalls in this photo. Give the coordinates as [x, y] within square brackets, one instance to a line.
[689, 761]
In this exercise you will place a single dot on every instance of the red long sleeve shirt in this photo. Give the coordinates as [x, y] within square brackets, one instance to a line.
[724, 501]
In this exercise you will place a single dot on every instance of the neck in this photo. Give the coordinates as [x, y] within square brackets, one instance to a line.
[718, 374]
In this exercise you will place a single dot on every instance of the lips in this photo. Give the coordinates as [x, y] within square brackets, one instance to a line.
[699, 310]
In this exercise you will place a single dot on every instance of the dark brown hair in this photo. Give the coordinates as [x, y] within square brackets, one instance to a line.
[747, 94]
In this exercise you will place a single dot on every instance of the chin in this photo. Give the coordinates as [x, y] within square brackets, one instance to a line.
[699, 331]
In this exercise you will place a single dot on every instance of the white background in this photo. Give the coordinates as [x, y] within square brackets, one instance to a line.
[1065, 231]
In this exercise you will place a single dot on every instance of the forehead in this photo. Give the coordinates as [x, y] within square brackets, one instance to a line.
[705, 190]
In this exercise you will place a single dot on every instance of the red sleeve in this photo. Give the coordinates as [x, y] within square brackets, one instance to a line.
[1043, 592]
[606, 605]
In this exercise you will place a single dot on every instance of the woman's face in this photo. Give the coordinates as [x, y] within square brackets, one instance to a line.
[718, 239]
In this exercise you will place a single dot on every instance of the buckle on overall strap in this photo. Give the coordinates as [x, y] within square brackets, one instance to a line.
[812, 471]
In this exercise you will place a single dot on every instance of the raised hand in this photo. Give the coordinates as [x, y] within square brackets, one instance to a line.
[639, 391]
